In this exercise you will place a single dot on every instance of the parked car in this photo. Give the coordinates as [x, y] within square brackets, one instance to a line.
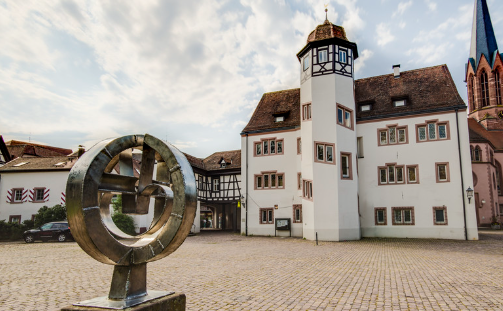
[56, 230]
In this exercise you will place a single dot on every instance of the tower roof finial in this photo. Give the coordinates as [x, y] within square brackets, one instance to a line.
[326, 13]
[483, 38]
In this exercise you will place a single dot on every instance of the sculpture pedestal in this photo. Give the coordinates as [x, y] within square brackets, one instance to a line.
[173, 302]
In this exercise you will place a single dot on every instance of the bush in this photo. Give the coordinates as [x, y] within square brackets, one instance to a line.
[47, 214]
[122, 221]
[12, 231]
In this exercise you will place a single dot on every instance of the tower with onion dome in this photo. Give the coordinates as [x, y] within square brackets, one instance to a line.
[328, 138]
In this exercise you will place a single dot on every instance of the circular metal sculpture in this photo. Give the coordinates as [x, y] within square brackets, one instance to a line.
[92, 183]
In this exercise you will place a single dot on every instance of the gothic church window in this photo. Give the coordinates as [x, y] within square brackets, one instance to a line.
[497, 81]
[484, 86]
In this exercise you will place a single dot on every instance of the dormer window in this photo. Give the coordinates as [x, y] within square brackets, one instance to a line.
[305, 63]
[20, 164]
[399, 102]
[223, 164]
[366, 107]
[279, 119]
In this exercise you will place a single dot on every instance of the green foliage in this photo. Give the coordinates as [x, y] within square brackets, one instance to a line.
[47, 214]
[12, 231]
[122, 221]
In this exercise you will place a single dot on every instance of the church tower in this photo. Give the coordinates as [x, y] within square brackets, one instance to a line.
[484, 71]
[328, 135]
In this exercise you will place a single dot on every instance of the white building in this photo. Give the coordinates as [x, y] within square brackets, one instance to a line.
[385, 156]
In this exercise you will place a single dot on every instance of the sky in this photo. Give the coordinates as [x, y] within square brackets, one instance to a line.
[192, 72]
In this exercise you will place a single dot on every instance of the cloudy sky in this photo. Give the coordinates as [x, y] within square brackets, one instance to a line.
[191, 72]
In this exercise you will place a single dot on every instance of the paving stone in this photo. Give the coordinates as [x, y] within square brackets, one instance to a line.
[224, 271]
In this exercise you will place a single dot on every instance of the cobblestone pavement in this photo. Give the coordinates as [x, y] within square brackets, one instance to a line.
[223, 271]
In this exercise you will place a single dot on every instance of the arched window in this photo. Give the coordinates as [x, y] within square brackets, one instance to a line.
[478, 154]
[471, 88]
[497, 81]
[484, 87]
[471, 152]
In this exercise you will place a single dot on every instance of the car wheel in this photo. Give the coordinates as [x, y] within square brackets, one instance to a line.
[61, 237]
[29, 238]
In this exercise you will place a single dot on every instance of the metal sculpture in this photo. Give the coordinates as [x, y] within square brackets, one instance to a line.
[90, 188]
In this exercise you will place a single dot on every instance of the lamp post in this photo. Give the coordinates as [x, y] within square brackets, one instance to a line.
[469, 194]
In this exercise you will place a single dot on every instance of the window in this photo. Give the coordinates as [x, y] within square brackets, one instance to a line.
[297, 213]
[306, 112]
[322, 56]
[39, 195]
[478, 154]
[299, 181]
[346, 170]
[269, 146]
[392, 135]
[270, 180]
[305, 63]
[442, 172]
[440, 215]
[412, 174]
[324, 152]
[497, 81]
[343, 57]
[380, 216]
[200, 181]
[15, 219]
[366, 107]
[471, 91]
[403, 215]
[266, 215]
[279, 119]
[391, 174]
[299, 145]
[491, 156]
[307, 191]
[433, 130]
[399, 103]
[484, 87]
[344, 116]
[16, 195]
[223, 164]
[215, 184]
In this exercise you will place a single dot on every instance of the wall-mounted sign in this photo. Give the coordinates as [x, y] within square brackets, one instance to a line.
[282, 223]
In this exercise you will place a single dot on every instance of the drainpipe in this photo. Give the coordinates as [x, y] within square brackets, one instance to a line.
[462, 179]
[246, 199]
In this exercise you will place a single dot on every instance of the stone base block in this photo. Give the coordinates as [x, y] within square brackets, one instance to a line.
[174, 302]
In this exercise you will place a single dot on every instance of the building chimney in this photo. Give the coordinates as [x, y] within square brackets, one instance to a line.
[396, 69]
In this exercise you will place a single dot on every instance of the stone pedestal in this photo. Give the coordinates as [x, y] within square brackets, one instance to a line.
[174, 302]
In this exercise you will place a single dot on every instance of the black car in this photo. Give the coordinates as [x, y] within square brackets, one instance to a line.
[56, 230]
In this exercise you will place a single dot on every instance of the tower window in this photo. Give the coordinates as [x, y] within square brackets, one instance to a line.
[472, 95]
[343, 57]
[322, 56]
[497, 80]
[484, 86]
[305, 63]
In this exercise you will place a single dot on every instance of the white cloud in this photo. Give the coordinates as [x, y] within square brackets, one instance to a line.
[383, 34]
[402, 7]
[432, 5]
[361, 61]
[402, 25]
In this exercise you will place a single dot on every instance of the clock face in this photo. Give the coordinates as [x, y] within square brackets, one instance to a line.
[500, 114]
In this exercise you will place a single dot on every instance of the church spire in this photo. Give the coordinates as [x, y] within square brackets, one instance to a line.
[483, 39]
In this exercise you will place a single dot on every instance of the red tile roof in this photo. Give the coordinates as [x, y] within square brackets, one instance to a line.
[19, 149]
[479, 134]
[327, 30]
[426, 89]
[39, 164]
[287, 101]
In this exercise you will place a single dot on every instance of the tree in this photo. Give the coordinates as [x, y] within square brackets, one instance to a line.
[122, 221]
[47, 214]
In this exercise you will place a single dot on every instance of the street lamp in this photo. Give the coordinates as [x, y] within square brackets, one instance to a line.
[469, 194]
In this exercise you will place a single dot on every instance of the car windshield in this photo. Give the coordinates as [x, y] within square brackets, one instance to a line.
[46, 226]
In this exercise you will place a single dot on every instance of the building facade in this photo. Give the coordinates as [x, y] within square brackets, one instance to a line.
[385, 156]
[484, 72]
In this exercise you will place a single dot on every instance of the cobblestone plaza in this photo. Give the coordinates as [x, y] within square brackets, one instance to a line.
[224, 271]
